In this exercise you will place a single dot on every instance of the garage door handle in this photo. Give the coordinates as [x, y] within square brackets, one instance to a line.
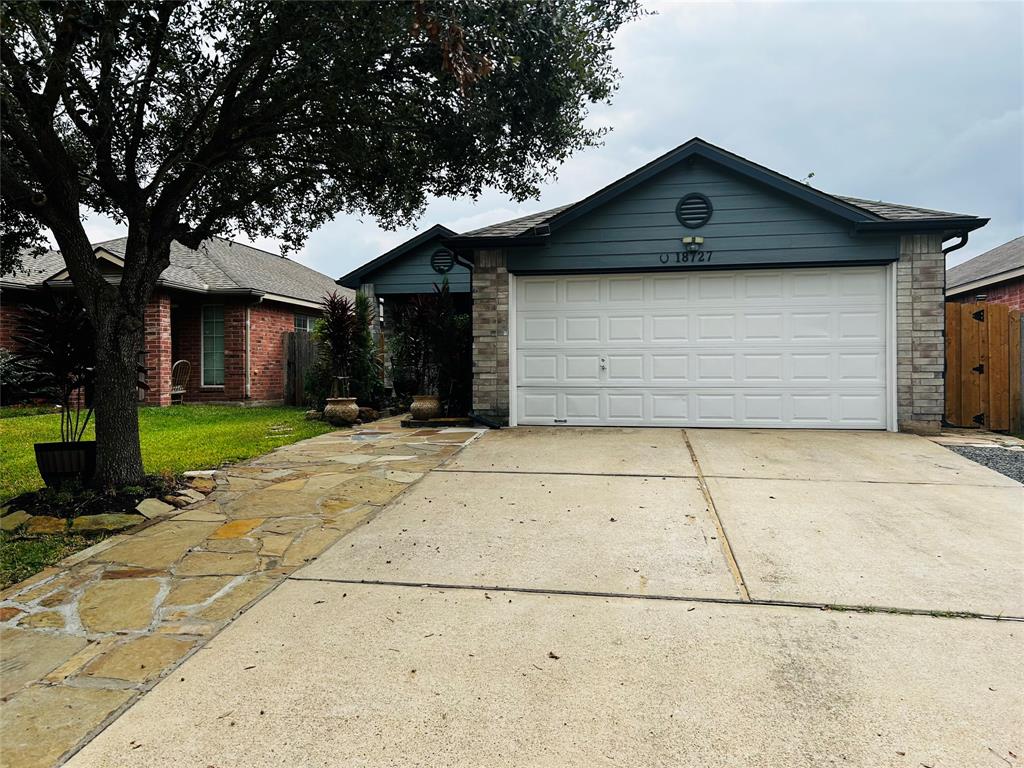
[604, 363]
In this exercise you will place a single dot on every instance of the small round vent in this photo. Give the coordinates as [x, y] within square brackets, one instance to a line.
[442, 261]
[694, 211]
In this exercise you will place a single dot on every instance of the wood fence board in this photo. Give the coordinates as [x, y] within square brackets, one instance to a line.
[954, 399]
[997, 371]
[983, 366]
[970, 357]
[1015, 370]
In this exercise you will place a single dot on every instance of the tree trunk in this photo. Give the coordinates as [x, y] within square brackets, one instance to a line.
[119, 342]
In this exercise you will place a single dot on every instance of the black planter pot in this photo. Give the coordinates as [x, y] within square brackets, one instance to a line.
[60, 463]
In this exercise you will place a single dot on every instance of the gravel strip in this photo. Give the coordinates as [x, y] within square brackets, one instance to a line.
[1002, 460]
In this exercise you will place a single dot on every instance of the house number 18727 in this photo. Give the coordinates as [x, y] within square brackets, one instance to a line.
[686, 257]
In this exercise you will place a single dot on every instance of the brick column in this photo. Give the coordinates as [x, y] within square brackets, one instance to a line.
[157, 318]
[920, 331]
[490, 335]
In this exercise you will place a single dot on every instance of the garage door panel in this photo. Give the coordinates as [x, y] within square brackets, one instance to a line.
[716, 328]
[625, 368]
[582, 291]
[866, 326]
[581, 369]
[800, 347]
[799, 328]
[669, 328]
[539, 330]
[582, 329]
[583, 406]
[763, 326]
[625, 289]
[745, 367]
[626, 328]
[704, 407]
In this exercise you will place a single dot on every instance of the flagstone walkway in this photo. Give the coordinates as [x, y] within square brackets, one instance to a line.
[81, 641]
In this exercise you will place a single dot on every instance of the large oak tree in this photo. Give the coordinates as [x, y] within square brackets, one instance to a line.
[183, 120]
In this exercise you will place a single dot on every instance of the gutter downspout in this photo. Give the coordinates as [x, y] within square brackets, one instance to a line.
[963, 241]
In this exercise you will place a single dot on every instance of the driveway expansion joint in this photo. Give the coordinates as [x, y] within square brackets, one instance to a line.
[753, 602]
[457, 471]
[713, 476]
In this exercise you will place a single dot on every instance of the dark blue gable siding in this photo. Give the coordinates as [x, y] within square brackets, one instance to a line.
[412, 273]
[751, 226]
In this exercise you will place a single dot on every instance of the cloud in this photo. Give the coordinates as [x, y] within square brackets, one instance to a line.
[919, 103]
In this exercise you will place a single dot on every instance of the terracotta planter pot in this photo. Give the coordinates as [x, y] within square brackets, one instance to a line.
[60, 463]
[341, 411]
[425, 407]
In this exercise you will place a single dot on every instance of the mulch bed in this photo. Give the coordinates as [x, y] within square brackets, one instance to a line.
[70, 502]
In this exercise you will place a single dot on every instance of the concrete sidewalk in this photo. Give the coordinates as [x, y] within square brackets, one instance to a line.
[618, 597]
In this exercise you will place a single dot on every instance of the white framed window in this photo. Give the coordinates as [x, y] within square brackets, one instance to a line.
[212, 352]
[305, 323]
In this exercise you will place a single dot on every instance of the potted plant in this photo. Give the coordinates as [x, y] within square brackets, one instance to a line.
[60, 358]
[336, 332]
[419, 326]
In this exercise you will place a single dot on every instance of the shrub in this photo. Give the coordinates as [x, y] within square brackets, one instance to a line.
[431, 350]
[335, 334]
[365, 377]
[58, 343]
[19, 382]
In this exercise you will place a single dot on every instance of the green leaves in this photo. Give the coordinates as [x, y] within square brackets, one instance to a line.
[272, 117]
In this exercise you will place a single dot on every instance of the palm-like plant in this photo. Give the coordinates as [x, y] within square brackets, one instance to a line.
[336, 332]
[58, 354]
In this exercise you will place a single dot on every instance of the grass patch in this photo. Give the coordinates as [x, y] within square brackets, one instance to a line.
[174, 439]
[21, 558]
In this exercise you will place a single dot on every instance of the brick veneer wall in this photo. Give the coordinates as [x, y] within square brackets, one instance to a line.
[490, 335]
[268, 322]
[1010, 293]
[186, 336]
[157, 344]
[11, 315]
[920, 331]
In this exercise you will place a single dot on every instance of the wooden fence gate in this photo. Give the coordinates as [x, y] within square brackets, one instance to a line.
[983, 366]
[299, 357]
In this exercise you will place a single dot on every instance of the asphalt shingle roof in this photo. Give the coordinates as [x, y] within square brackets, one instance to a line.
[898, 212]
[1003, 258]
[217, 265]
[518, 226]
[888, 211]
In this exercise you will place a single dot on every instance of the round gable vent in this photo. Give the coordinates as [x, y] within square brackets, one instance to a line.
[694, 211]
[442, 261]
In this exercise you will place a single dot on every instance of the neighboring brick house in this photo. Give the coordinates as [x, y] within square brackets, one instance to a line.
[995, 276]
[701, 290]
[224, 307]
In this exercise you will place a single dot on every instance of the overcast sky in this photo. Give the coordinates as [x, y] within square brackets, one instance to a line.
[917, 103]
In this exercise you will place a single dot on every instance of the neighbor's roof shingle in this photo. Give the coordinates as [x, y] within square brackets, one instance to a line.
[217, 265]
[1004, 258]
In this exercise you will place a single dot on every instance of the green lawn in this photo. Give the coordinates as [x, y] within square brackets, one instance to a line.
[174, 439]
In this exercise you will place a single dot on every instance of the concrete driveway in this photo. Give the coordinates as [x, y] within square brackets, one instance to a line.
[560, 597]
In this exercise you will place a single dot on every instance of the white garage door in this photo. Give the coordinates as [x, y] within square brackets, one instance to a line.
[751, 348]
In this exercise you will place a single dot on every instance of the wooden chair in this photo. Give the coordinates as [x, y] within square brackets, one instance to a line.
[179, 380]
